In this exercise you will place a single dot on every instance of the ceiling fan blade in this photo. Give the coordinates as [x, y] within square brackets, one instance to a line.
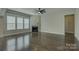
[40, 11]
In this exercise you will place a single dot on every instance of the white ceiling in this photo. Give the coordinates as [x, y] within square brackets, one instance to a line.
[24, 10]
[32, 11]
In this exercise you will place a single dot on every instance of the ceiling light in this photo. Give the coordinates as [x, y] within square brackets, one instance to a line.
[41, 11]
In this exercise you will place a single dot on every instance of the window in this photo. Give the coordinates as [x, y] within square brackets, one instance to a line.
[16, 21]
[26, 23]
[10, 22]
[19, 22]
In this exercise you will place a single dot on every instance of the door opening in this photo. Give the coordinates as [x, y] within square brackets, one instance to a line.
[69, 24]
[69, 30]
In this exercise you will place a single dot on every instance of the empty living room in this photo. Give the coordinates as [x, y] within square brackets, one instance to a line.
[39, 29]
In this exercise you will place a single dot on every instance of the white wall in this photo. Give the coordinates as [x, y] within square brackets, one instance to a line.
[2, 11]
[54, 22]
[77, 23]
[1, 26]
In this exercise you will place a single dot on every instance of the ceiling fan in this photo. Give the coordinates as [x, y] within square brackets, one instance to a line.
[41, 11]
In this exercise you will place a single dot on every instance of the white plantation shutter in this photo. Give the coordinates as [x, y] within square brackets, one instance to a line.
[26, 23]
[19, 22]
[10, 22]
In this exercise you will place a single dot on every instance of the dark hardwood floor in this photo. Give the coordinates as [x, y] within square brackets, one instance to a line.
[39, 42]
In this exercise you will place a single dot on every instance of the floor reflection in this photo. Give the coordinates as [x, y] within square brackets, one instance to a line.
[10, 44]
[70, 41]
[17, 43]
[26, 41]
[39, 42]
[20, 43]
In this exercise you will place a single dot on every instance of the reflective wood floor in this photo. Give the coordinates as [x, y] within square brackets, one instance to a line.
[39, 42]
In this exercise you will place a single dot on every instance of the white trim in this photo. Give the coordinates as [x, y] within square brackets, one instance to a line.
[69, 32]
[54, 33]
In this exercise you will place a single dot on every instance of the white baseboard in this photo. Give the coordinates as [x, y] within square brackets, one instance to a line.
[69, 32]
[10, 34]
[55, 33]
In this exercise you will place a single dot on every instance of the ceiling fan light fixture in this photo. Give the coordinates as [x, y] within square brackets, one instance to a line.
[41, 11]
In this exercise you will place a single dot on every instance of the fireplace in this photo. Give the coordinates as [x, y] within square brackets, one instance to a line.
[34, 28]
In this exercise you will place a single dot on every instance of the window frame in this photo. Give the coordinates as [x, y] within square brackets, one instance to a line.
[17, 15]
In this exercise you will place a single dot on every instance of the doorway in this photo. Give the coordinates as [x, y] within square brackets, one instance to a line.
[69, 24]
[69, 30]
